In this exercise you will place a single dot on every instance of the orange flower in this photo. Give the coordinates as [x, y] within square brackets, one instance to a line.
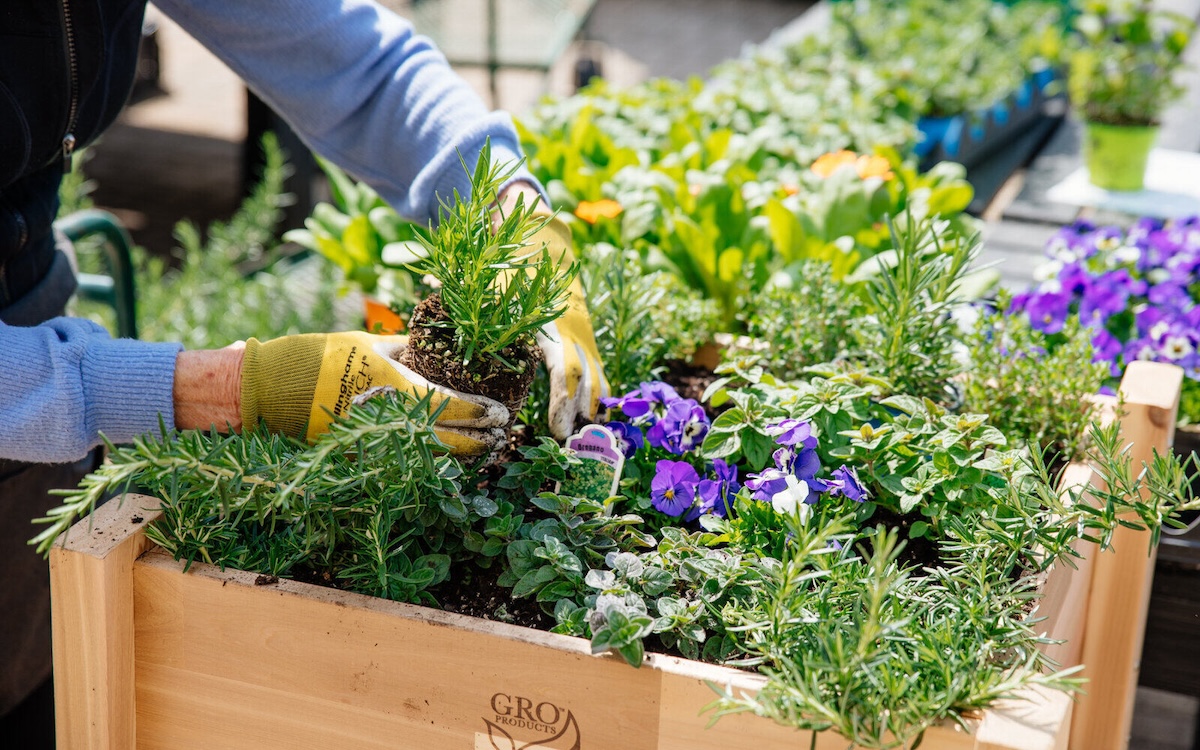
[864, 165]
[874, 166]
[591, 211]
[827, 164]
[790, 189]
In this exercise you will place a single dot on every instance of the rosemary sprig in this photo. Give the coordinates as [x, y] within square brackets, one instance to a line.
[375, 503]
[496, 287]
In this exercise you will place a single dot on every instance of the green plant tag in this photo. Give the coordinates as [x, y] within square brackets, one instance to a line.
[597, 476]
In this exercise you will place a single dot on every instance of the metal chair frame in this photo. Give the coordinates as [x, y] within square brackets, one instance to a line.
[116, 290]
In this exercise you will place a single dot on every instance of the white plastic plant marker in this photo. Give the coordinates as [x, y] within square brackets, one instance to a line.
[600, 473]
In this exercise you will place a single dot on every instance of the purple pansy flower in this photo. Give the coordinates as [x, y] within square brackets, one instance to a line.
[804, 463]
[1108, 295]
[673, 489]
[793, 432]
[707, 499]
[641, 401]
[629, 437]
[845, 482]
[681, 429]
[716, 495]
[766, 483]
[1048, 311]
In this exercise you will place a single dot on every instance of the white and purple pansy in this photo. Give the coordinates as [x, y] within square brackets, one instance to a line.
[681, 429]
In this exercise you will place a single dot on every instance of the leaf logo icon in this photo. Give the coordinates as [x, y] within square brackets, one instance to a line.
[501, 740]
[567, 738]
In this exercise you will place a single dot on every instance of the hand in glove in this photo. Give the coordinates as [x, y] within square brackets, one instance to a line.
[577, 381]
[297, 384]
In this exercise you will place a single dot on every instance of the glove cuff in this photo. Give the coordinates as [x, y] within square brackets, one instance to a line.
[279, 378]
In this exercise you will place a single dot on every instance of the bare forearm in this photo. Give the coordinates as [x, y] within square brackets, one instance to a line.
[520, 189]
[208, 389]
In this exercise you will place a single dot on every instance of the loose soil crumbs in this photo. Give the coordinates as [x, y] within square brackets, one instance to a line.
[431, 353]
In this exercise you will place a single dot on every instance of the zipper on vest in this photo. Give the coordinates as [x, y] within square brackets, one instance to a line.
[68, 140]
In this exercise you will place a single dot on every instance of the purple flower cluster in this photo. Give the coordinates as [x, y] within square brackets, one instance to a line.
[677, 489]
[675, 424]
[791, 485]
[661, 421]
[660, 418]
[1137, 290]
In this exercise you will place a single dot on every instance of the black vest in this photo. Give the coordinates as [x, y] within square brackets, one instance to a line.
[66, 69]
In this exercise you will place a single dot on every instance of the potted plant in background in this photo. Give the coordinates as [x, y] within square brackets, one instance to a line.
[1123, 62]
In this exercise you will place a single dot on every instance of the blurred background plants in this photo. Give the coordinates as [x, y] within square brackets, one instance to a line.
[1124, 58]
[226, 283]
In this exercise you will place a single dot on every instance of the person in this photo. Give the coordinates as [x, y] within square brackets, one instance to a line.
[360, 87]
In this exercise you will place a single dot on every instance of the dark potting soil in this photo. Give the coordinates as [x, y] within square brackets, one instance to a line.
[919, 551]
[430, 353]
[689, 380]
[474, 591]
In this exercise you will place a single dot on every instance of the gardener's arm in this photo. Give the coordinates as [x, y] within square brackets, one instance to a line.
[67, 381]
[207, 389]
[360, 87]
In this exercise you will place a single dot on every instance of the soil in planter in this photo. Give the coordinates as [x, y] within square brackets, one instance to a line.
[430, 354]
[474, 591]
[690, 381]
[920, 551]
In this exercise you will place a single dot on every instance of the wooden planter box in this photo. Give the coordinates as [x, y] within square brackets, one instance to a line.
[147, 656]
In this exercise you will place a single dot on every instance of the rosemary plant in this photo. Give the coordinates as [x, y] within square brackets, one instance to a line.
[623, 300]
[496, 289]
[370, 506]
[866, 647]
[910, 333]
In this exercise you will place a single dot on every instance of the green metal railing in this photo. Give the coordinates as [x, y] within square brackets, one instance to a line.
[116, 290]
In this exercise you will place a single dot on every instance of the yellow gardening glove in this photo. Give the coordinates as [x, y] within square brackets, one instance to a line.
[577, 381]
[298, 384]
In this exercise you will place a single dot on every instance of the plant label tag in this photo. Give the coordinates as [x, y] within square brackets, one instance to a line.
[596, 478]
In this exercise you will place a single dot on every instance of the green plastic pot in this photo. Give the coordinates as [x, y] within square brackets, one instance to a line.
[1116, 155]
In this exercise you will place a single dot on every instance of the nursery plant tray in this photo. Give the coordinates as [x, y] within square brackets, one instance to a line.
[149, 656]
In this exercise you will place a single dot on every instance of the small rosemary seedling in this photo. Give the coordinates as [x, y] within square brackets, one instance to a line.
[497, 288]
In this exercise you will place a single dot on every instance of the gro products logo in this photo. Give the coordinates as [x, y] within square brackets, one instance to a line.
[519, 723]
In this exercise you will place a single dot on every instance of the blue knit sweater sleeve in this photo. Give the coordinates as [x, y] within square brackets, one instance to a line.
[68, 382]
[359, 87]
